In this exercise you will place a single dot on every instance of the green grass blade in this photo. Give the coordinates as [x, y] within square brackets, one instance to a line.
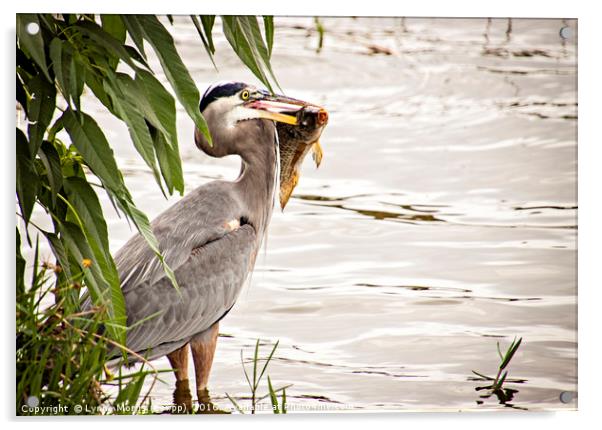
[255, 359]
[273, 398]
[489, 378]
[320, 29]
[244, 369]
[238, 408]
[267, 361]
[510, 353]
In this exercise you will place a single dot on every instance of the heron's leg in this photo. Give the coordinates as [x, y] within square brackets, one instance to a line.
[203, 348]
[178, 360]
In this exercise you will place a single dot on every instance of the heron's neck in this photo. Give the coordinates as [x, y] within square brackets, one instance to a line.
[256, 182]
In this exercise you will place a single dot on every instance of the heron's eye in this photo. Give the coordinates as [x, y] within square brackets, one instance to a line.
[244, 95]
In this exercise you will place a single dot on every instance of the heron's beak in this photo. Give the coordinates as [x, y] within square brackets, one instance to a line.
[278, 108]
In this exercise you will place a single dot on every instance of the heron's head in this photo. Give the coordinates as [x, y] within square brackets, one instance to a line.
[228, 108]
[232, 111]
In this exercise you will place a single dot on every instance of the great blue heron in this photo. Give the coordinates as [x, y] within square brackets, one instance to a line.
[211, 237]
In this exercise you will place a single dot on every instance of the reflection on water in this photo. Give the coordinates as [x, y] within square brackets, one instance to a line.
[444, 213]
[183, 402]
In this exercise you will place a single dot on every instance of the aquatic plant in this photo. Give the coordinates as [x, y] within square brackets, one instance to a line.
[277, 408]
[59, 57]
[497, 385]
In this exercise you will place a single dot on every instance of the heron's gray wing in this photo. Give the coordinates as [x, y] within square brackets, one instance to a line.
[197, 219]
[210, 280]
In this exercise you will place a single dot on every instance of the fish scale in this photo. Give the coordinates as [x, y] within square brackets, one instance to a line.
[295, 143]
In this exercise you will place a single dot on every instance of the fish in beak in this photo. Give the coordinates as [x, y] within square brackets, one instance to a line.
[299, 125]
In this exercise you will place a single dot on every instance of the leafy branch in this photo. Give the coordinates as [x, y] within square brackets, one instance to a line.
[61, 148]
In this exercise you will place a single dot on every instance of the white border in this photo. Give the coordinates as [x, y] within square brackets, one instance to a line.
[590, 210]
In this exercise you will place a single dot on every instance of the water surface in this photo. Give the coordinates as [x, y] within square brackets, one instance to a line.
[442, 220]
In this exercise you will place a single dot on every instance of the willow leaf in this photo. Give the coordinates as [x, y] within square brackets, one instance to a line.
[27, 178]
[208, 48]
[268, 25]
[52, 162]
[40, 110]
[176, 72]
[123, 92]
[85, 201]
[92, 144]
[32, 44]
[169, 161]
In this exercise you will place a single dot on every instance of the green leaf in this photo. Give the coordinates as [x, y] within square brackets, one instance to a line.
[144, 227]
[94, 82]
[157, 104]
[124, 92]
[92, 144]
[90, 141]
[21, 95]
[113, 25]
[40, 110]
[208, 21]
[52, 162]
[76, 245]
[502, 380]
[32, 44]
[169, 161]
[176, 72]
[109, 43]
[235, 403]
[320, 29]
[27, 180]
[489, 378]
[58, 249]
[208, 48]
[510, 353]
[135, 31]
[85, 202]
[55, 128]
[267, 361]
[20, 265]
[61, 61]
[76, 78]
[243, 34]
[273, 398]
[136, 56]
[268, 25]
[161, 113]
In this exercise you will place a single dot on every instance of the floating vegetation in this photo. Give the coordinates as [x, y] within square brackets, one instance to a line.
[504, 395]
